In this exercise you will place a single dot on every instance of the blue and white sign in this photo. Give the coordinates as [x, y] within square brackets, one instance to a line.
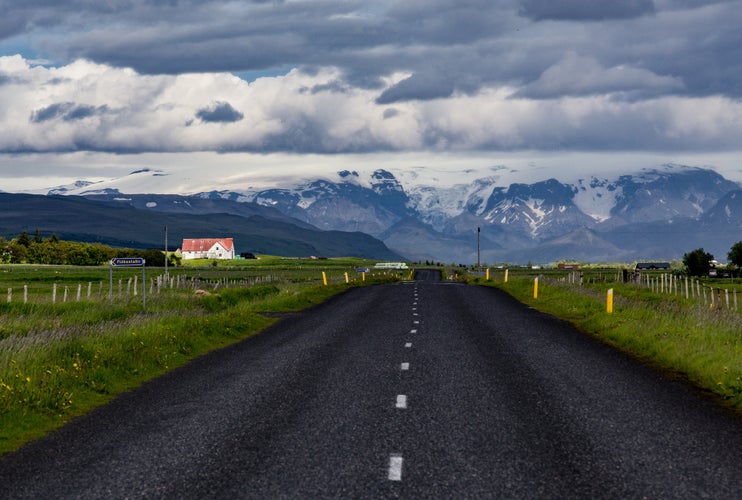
[127, 262]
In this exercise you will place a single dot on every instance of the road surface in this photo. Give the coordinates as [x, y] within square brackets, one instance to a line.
[421, 389]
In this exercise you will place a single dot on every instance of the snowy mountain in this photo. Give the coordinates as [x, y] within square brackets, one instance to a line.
[589, 219]
[347, 203]
[542, 210]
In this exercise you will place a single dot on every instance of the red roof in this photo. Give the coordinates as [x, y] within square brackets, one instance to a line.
[204, 244]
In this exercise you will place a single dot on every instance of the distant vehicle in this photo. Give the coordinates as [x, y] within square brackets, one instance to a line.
[652, 265]
[362, 270]
[391, 265]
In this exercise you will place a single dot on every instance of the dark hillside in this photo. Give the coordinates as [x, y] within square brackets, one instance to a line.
[79, 219]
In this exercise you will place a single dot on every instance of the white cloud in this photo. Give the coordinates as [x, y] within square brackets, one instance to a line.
[95, 107]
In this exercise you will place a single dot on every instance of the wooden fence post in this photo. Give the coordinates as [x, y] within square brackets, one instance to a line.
[25, 294]
[54, 294]
[79, 291]
[10, 295]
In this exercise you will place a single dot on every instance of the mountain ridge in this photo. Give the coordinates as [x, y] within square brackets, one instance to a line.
[518, 221]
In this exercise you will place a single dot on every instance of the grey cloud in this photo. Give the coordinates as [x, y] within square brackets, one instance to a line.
[585, 10]
[473, 43]
[583, 76]
[390, 113]
[334, 86]
[219, 112]
[67, 111]
[418, 87]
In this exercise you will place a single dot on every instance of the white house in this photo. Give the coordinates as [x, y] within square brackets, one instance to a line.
[208, 248]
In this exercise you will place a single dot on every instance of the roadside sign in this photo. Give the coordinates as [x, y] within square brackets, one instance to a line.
[127, 262]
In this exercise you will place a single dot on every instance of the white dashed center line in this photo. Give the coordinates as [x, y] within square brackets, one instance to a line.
[395, 467]
[401, 401]
[395, 459]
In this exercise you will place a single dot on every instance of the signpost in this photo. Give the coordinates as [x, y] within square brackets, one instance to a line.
[129, 262]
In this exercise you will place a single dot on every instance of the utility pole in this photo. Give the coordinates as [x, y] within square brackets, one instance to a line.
[166, 276]
[479, 267]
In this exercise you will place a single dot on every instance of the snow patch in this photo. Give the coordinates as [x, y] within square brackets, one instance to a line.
[597, 198]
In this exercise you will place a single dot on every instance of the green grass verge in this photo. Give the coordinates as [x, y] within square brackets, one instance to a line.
[679, 337]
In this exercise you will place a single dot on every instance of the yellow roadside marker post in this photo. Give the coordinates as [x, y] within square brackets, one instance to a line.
[535, 288]
[506, 275]
[324, 278]
[609, 301]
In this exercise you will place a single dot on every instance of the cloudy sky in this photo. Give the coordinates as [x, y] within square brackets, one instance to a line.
[93, 89]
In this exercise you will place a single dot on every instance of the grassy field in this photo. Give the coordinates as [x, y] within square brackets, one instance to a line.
[686, 339]
[59, 360]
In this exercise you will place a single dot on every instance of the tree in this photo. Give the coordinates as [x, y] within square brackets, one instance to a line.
[17, 253]
[154, 257]
[4, 250]
[735, 254]
[23, 239]
[698, 262]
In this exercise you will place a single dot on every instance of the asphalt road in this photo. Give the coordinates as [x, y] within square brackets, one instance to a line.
[419, 389]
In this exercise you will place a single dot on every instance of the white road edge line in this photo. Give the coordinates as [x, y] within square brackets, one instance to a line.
[404, 366]
[413, 330]
[395, 467]
[408, 345]
[401, 401]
